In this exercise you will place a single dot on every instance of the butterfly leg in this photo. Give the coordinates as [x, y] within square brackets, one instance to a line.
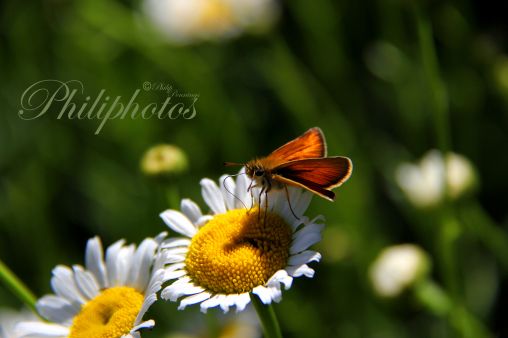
[259, 199]
[268, 185]
[289, 202]
[249, 189]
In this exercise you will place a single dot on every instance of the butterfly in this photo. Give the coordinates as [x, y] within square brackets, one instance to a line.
[301, 162]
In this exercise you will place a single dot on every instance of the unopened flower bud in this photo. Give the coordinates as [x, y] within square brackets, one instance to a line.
[164, 159]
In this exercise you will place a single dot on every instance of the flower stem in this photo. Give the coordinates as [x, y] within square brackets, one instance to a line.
[172, 196]
[438, 302]
[492, 235]
[267, 317]
[433, 298]
[450, 232]
[438, 99]
[17, 287]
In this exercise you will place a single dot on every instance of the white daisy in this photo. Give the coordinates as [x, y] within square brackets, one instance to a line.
[186, 21]
[106, 298]
[238, 249]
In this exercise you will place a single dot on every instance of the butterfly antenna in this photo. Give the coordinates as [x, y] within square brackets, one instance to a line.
[226, 188]
[289, 202]
[230, 164]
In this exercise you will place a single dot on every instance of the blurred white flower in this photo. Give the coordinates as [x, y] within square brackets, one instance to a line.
[230, 325]
[460, 175]
[9, 318]
[426, 183]
[243, 325]
[398, 267]
[187, 21]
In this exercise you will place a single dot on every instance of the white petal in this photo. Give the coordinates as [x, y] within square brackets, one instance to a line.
[154, 286]
[305, 237]
[160, 237]
[56, 309]
[212, 302]
[40, 329]
[226, 302]
[144, 325]
[304, 257]
[212, 196]
[298, 201]
[309, 228]
[175, 291]
[263, 293]
[242, 184]
[302, 270]
[149, 300]
[280, 276]
[175, 242]
[242, 301]
[257, 197]
[63, 284]
[316, 219]
[203, 220]
[139, 273]
[302, 202]
[112, 253]
[229, 301]
[174, 274]
[86, 282]
[170, 259]
[176, 266]
[277, 201]
[156, 281]
[177, 251]
[297, 222]
[303, 242]
[194, 299]
[119, 275]
[227, 187]
[191, 210]
[275, 293]
[159, 261]
[94, 261]
[178, 222]
[183, 281]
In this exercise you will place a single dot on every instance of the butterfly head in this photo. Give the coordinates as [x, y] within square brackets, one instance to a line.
[258, 172]
[254, 169]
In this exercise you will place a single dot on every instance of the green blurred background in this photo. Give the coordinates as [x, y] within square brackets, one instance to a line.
[386, 81]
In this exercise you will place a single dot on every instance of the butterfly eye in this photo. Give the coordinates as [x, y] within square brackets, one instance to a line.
[259, 172]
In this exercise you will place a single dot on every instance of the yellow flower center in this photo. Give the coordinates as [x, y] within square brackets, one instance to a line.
[109, 315]
[215, 15]
[238, 250]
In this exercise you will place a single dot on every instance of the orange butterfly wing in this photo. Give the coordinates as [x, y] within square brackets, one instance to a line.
[318, 175]
[311, 144]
